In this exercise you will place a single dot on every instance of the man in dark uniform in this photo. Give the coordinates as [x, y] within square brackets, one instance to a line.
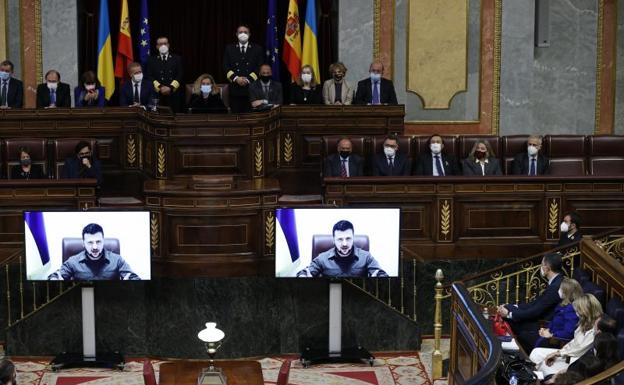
[241, 62]
[166, 71]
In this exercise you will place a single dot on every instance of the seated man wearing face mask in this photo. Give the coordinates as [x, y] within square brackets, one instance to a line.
[53, 93]
[83, 164]
[524, 318]
[436, 162]
[375, 89]
[531, 162]
[136, 92]
[570, 229]
[265, 92]
[11, 89]
[344, 164]
[391, 162]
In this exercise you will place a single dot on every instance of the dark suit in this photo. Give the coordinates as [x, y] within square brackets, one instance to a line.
[471, 167]
[212, 103]
[15, 93]
[274, 96]
[63, 98]
[424, 164]
[520, 164]
[300, 96]
[146, 93]
[74, 169]
[364, 93]
[167, 72]
[401, 166]
[333, 165]
[36, 172]
[565, 240]
[526, 316]
[238, 64]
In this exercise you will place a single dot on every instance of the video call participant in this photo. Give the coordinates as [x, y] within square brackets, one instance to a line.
[531, 161]
[570, 229]
[83, 164]
[11, 89]
[391, 162]
[265, 92]
[137, 91]
[94, 262]
[165, 71]
[344, 259]
[53, 93]
[345, 163]
[26, 170]
[435, 161]
[241, 61]
[375, 89]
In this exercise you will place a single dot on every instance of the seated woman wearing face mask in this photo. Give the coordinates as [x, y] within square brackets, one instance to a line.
[206, 96]
[89, 93]
[481, 161]
[306, 90]
[26, 170]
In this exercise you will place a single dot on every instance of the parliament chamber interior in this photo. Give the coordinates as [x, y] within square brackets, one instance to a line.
[449, 176]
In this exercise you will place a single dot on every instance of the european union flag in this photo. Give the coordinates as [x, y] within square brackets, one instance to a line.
[272, 43]
[144, 34]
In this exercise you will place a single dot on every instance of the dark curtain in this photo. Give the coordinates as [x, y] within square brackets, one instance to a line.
[199, 30]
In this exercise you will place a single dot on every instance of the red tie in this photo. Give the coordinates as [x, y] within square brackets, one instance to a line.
[343, 168]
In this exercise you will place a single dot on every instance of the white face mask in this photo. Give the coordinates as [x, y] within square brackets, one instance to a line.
[436, 148]
[306, 78]
[389, 151]
[52, 85]
[564, 227]
[163, 49]
[137, 77]
[375, 77]
[89, 87]
[532, 150]
[243, 37]
[206, 88]
[560, 294]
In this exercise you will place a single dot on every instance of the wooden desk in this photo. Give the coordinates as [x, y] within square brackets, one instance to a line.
[187, 372]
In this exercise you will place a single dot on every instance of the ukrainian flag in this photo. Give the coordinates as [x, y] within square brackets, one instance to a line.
[310, 46]
[105, 72]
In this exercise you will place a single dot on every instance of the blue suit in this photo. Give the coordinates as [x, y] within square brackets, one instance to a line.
[561, 326]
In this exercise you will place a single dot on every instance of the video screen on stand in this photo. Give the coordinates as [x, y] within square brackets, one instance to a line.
[87, 245]
[337, 242]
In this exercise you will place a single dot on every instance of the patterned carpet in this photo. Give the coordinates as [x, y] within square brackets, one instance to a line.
[411, 368]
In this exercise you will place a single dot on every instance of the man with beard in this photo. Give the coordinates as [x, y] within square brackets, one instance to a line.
[94, 262]
[83, 164]
[344, 259]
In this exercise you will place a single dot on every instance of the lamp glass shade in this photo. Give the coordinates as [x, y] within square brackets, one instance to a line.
[211, 333]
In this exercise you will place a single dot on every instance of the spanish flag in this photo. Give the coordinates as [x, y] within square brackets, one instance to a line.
[105, 52]
[310, 46]
[292, 41]
[124, 43]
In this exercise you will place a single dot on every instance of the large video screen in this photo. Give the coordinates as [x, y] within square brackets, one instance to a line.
[87, 245]
[337, 242]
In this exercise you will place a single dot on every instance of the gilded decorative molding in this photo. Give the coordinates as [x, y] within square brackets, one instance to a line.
[288, 148]
[162, 160]
[38, 43]
[498, 22]
[445, 219]
[376, 28]
[258, 158]
[154, 232]
[553, 218]
[599, 64]
[269, 231]
[131, 150]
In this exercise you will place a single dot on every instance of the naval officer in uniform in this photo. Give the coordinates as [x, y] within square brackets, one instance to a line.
[166, 71]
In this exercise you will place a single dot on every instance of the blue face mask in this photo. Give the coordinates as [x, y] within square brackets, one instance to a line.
[206, 88]
[375, 77]
[4, 75]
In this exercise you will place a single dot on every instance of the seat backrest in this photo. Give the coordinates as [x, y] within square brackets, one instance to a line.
[225, 95]
[466, 142]
[405, 144]
[324, 242]
[603, 165]
[511, 146]
[64, 148]
[605, 145]
[38, 152]
[567, 154]
[284, 373]
[72, 246]
[188, 92]
[330, 144]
